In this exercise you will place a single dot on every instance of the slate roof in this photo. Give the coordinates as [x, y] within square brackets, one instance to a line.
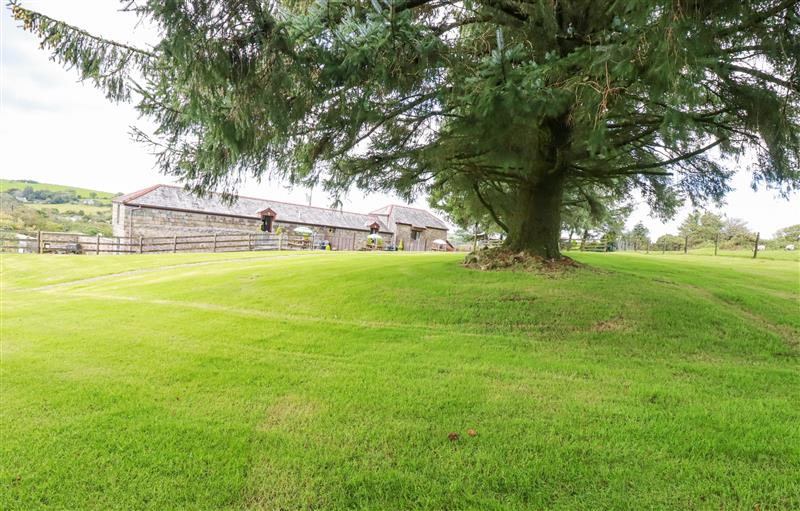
[410, 216]
[176, 198]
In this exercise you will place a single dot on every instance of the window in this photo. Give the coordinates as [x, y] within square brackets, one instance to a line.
[331, 230]
[415, 235]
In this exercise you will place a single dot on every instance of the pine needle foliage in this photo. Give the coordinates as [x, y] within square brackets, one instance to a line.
[514, 103]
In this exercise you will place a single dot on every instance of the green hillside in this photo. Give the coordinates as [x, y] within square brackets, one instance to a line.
[9, 185]
[352, 381]
[28, 206]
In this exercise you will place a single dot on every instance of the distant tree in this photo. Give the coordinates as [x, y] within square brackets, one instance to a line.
[522, 104]
[736, 234]
[788, 235]
[710, 226]
[460, 236]
[639, 236]
[613, 224]
[66, 197]
[700, 228]
[608, 226]
[28, 193]
[669, 242]
[690, 227]
[598, 219]
[578, 221]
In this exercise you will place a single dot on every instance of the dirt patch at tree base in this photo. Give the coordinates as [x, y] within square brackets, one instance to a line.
[496, 259]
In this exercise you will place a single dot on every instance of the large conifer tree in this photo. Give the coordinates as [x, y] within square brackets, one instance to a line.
[517, 103]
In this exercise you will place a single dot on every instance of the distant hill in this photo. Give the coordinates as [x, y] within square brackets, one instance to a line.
[7, 185]
[29, 205]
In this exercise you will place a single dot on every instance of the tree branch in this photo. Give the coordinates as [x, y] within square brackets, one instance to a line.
[489, 208]
[762, 75]
[755, 20]
[643, 166]
[26, 16]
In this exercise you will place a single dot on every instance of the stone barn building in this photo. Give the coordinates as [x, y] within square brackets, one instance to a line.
[163, 210]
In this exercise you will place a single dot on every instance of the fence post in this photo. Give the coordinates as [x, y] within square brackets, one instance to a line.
[250, 241]
[97, 247]
[140, 244]
[280, 239]
[755, 247]
[39, 242]
[215, 242]
[716, 243]
[686, 245]
[174, 244]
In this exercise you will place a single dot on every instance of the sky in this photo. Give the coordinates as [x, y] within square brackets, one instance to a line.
[55, 129]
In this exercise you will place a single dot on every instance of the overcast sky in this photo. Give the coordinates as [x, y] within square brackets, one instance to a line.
[54, 129]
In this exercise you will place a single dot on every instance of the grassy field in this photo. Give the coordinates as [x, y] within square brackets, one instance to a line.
[60, 209]
[76, 208]
[82, 193]
[332, 381]
[777, 254]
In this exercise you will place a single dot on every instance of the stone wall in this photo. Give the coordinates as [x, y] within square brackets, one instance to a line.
[159, 222]
[430, 234]
[340, 239]
[118, 216]
[426, 237]
[150, 222]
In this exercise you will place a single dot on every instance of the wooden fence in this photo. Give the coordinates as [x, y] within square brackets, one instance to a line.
[585, 245]
[44, 242]
[76, 243]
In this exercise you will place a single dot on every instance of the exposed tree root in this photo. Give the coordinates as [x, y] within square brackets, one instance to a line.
[500, 258]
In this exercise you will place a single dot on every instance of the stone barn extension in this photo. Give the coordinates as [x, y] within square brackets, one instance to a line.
[164, 210]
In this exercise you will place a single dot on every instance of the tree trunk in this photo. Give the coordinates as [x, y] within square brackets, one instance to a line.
[535, 226]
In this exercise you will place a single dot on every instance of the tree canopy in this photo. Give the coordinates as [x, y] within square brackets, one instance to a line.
[789, 234]
[707, 228]
[518, 104]
[639, 235]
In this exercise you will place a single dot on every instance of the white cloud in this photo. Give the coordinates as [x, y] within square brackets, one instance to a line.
[55, 129]
[763, 210]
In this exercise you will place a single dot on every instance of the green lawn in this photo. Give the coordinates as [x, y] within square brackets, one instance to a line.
[775, 253]
[332, 381]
